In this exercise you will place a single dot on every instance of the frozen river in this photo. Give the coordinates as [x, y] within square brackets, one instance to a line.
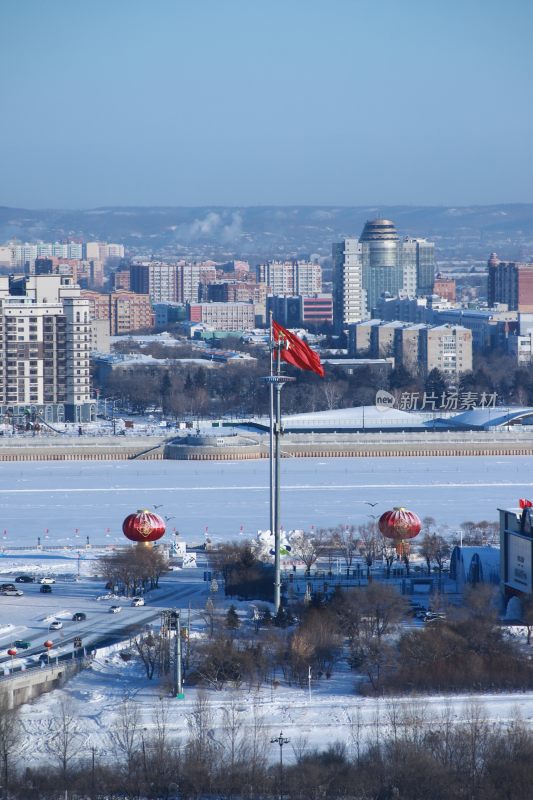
[63, 502]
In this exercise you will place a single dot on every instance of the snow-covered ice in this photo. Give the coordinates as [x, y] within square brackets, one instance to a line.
[64, 502]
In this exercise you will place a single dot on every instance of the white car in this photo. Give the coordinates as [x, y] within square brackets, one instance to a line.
[56, 625]
[115, 609]
[137, 601]
[47, 579]
[12, 593]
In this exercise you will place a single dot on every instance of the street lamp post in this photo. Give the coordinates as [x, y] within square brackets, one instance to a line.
[280, 740]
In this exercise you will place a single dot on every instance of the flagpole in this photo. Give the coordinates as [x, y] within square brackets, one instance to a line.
[271, 456]
[277, 473]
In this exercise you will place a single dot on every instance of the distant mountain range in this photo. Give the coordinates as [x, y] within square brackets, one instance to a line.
[271, 231]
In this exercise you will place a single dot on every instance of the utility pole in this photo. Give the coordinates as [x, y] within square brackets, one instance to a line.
[188, 646]
[281, 740]
[178, 687]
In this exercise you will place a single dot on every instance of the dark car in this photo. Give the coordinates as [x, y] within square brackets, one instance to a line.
[25, 579]
[22, 644]
[7, 587]
[79, 616]
[45, 589]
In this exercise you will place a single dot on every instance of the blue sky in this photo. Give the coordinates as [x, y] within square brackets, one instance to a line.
[259, 102]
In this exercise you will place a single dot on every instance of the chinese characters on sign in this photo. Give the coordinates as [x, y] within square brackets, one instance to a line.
[431, 401]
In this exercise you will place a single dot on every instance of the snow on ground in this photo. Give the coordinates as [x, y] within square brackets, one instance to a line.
[333, 712]
[64, 502]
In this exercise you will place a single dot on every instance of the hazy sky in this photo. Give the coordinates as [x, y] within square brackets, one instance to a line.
[258, 102]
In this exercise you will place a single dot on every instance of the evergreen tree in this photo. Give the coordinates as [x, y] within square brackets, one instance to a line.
[232, 618]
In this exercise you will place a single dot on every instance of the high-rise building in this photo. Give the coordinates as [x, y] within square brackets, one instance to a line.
[156, 279]
[125, 311]
[510, 283]
[349, 297]
[378, 264]
[189, 277]
[103, 251]
[291, 277]
[417, 260]
[382, 267]
[45, 341]
[447, 348]
[121, 279]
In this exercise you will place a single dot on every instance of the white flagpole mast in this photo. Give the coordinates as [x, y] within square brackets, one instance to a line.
[271, 457]
[276, 381]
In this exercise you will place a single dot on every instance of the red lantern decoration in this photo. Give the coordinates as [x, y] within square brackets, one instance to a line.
[12, 652]
[143, 526]
[399, 525]
[48, 644]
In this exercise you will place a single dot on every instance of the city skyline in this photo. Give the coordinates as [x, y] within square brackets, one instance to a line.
[266, 104]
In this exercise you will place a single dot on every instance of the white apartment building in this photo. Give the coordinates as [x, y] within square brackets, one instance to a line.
[103, 251]
[188, 279]
[18, 254]
[349, 297]
[291, 277]
[45, 342]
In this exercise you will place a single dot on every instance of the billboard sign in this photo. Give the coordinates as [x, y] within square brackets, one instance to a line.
[519, 563]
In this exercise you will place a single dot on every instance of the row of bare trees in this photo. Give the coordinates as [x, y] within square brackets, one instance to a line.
[133, 569]
[397, 751]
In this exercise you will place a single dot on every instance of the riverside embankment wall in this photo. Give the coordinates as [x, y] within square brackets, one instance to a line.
[365, 445]
[295, 445]
[105, 448]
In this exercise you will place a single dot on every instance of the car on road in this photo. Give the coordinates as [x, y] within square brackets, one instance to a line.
[25, 579]
[13, 592]
[47, 579]
[434, 616]
[4, 587]
[56, 625]
[22, 644]
[79, 616]
[115, 609]
[137, 601]
[45, 589]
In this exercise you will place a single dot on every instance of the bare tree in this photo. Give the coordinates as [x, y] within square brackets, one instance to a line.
[10, 734]
[308, 548]
[427, 550]
[346, 539]
[65, 741]
[369, 544]
[149, 648]
[387, 550]
[382, 607]
[126, 732]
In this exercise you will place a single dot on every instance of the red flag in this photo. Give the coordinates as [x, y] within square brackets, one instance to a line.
[296, 351]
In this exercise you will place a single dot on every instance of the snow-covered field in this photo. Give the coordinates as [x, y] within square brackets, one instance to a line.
[64, 502]
[332, 713]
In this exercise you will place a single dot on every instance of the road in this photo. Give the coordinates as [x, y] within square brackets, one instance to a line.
[28, 617]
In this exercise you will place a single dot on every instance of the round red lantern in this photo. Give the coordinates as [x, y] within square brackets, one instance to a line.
[399, 525]
[143, 526]
[12, 652]
[48, 644]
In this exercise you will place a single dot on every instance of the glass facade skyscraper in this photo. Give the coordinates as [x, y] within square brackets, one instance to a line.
[379, 263]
